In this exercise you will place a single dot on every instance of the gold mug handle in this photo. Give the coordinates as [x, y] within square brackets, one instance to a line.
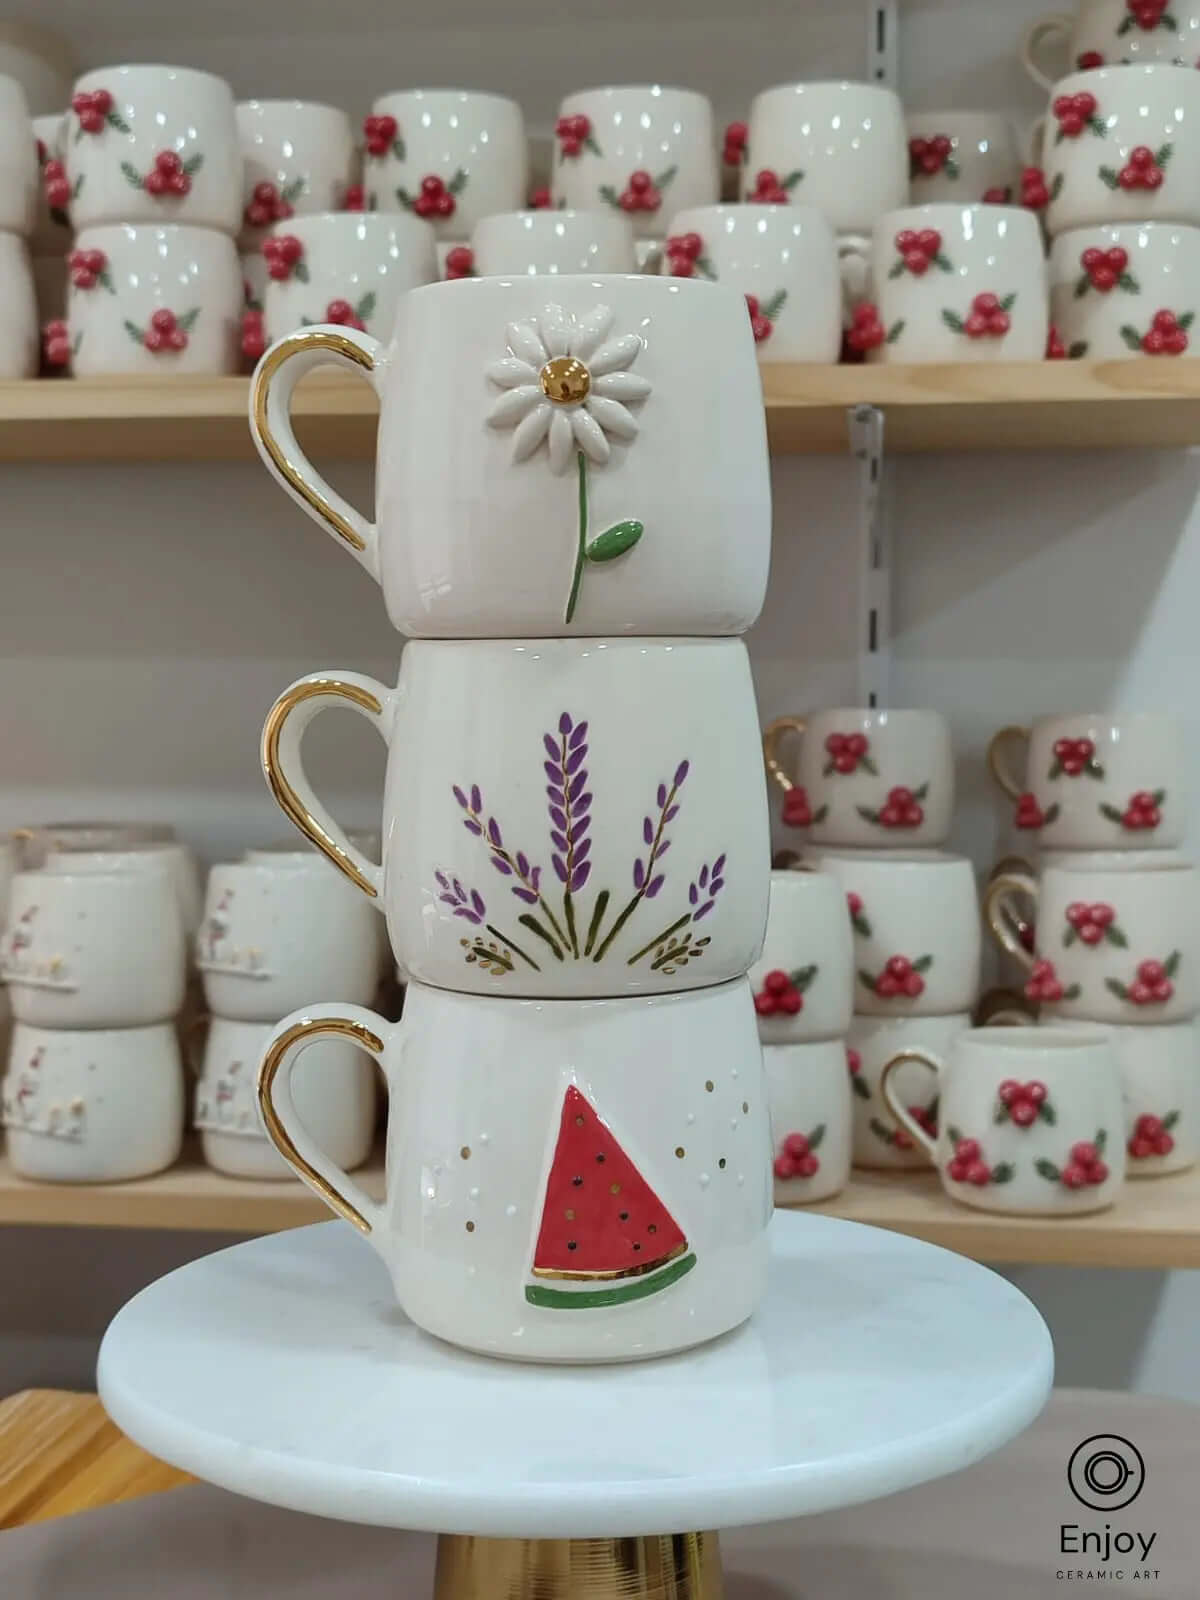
[278, 1110]
[900, 1113]
[773, 733]
[997, 753]
[283, 765]
[271, 387]
[1003, 918]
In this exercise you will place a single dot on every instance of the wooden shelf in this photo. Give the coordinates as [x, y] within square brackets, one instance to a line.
[1049, 405]
[1155, 1224]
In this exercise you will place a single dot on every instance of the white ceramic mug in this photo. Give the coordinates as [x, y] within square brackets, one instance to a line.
[587, 483]
[18, 161]
[1117, 935]
[152, 144]
[18, 310]
[808, 1087]
[37, 842]
[333, 1089]
[298, 157]
[866, 777]
[1120, 145]
[643, 151]
[526, 829]
[524, 242]
[541, 1205]
[1121, 290]
[1111, 32]
[960, 283]
[77, 848]
[52, 227]
[784, 259]
[94, 950]
[278, 928]
[1095, 780]
[915, 919]
[1029, 1119]
[803, 981]
[93, 1105]
[450, 156]
[153, 298]
[879, 1140]
[963, 157]
[349, 268]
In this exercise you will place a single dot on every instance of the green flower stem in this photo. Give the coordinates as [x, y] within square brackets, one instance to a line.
[581, 547]
[513, 945]
[665, 934]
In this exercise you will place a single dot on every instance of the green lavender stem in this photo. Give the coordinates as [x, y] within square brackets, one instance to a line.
[665, 934]
[512, 945]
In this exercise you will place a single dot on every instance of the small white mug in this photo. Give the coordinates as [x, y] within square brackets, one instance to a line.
[18, 310]
[1121, 290]
[963, 157]
[880, 1143]
[18, 162]
[808, 1086]
[52, 228]
[298, 157]
[1110, 33]
[523, 242]
[1029, 1119]
[348, 268]
[84, 852]
[803, 981]
[92, 1105]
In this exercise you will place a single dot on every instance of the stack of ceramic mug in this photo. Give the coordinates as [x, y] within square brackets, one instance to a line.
[1114, 937]
[575, 859]
[18, 198]
[873, 795]
[94, 957]
[278, 925]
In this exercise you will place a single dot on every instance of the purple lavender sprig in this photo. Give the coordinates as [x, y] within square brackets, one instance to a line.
[703, 892]
[467, 904]
[514, 864]
[646, 881]
[569, 811]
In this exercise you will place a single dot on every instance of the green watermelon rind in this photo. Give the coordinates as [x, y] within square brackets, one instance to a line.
[618, 1295]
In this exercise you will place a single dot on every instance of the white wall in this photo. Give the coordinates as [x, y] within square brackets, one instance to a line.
[149, 614]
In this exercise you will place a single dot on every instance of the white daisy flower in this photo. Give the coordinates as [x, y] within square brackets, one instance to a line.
[566, 381]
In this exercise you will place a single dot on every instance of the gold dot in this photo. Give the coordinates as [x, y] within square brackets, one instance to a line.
[652, 1228]
[579, 1122]
[565, 381]
[680, 1151]
[470, 1227]
[614, 1188]
[745, 1105]
[465, 1152]
[570, 1216]
[709, 1085]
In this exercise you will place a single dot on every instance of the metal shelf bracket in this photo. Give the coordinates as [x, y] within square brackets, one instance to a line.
[874, 557]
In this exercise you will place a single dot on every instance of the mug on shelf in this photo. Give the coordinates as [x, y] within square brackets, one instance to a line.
[579, 1181]
[1095, 780]
[1117, 935]
[36, 842]
[155, 145]
[94, 949]
[153, 298]
[52, 227]
[587, 483]
[879, 1142]
[92, 1105]
[642, 151]
[527, 829]
[18, 310]
[333, 1090]
[866, 777]
[1111, 32]
[348, 268]
[784, 259]
[1029, 1119]
[959, 283]
[297, 157]
[963, 156]
[915, 920]
[517, 243]
[1120, 145]
[808, 1089]
[449, 156]
[18, 161]
[803, 981]
[1125, 289]
[76, 849]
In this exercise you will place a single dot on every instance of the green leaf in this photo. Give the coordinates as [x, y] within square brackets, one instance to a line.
[1008, 302]
[1047, 1169]
[1056, 186]
[820, 813]
[705, 268]
[1109, 177]
[816, 1136]
[1114, 936]
[1163, 154]
[1159, 796]
[795, 176]
[458, 182]
[1082, 284]
[803, 977]
[954, 1134]
[861, 926]
[117, 121]
[1050, 814]
[943, 263]
[1071, 992]
[188, 320]
[1094, 769]
[293, 190]
[894, 332]
[1055, 769]
[1000, 1114]
[1101, 1139]
[1047, 1113]
[590, 144]
[404, 198]
[301, 272]
[868, 765]
[193, 164]
[1129, 283]
[865, 978]
[922, 964]
[867, 814]
[1115, 986]
[896, 269]
[132, 176]
[1132, 338]
[134, 332]
[1003, 1172]
[774, 305]
[953, 321]
[614, 541]
[663, 178]
[1069, 936]
[1124, 25]
[951, 167]
[1171, 964]
[365, 309]
[398, 148]
[1113, 813]
[828, 769]
[921, 792]
[1169, 1121]
[1099, 127]
[1186, 320]
[860, 1088]
[610, 195]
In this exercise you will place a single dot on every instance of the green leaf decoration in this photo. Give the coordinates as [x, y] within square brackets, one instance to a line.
[865, 978]
[860, 1088]
[193, 164]
[1008, 302]
[404, 198]
[882, 1131]
[609, 195]
[1003, 1172]
[1159, 796]
[372, 201]
[365, 309]
[132, 176]
[1047, 1169]
[76, 342]
[820, 813]
[663, 178]
[117, 121]
[896, 269]
[458, 182]
[1186, 320]
[614, 541]
[1077, 349]
[792, 178]
[1055, 769]
[1059, 136]
[1094, 769]
[1056, 186]
[1050, 814]
[1167, 20]
[1115, 986]
[943, 262]
[867, 814]
[398, 148]
[1047, 1113]
[816, 1136]
[1129, 283]
[922, 964]
[293, 190]
[954, 1134]
[134, 332]
[1114, 936]
[1163, 154]
[1099, 127]
[590, 144]
[301, 272]
[921, 791]
[1082, 284]
[1132, 338]
[188, 320]
[774, 305]
[78, 134]
[1000, 1114]
[705, 268]
[1113, 813]
[894, 332]
[1124, 25]
[1071, 992]
[861, 926]
[1101, 1139]
[803, 977]
[868, 765]
[951, 167]
[58, 215]
[1109, 177]
[953, 321]
[1170, 1120]
[1171, 964]
[1069, 936]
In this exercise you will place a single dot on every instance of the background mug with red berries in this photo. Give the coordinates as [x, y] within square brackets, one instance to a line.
[18, 311]
[841, 147]
[1110, 32]
[1126, 290]
[783, 259]
[803, 982]
[154, 144]
[349, 268]
[960, 283]
[1121, 145]
[1029, 1119]
[1095, 781]
[298, 157]
[52, 229]
[20, 171]
[647, 153]
[863, 777]
[808, 1090]
[1117, 935]
[548, 240]
[879, 1142]
[448, 156]
[962, 156]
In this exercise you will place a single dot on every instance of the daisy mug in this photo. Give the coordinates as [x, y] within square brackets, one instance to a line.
[548, 460]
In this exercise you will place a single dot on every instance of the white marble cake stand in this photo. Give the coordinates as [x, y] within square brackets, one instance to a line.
[283, 1370]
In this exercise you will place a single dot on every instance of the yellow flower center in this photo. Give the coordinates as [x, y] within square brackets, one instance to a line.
[565, 381]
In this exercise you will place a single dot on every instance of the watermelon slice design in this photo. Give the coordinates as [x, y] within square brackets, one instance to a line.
[601, 1221]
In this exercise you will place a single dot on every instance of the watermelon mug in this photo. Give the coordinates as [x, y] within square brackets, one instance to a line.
[573, 1181]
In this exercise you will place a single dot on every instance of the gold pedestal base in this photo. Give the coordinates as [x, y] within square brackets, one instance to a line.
[680, 1566]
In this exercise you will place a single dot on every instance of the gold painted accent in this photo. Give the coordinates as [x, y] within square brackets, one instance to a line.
[682, 1566]
[465, 1152]
[312, 1028]
[899, 1113]
[995, 757]
[570, 1215]
[565, 381]
[638, 1271]
[470, 1227]
[1002, 920]
[709, 1085]
[286, 797]
[293, 472]
[770, 743]
[614, 1188]
[680, 1151]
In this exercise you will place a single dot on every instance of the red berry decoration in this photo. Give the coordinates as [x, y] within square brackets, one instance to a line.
[866, 332]
[345, 315]
[1145, 14]
[380, 135]
[928, 157]
[1023, 1104]
[1035, 193]
[170, 178]
[166, 332]
[56, 185]
[797, 813]
[94, 109]
[1152, 1136]
[1167, 334]
[435, 198]
[1086, 60]
[460, 262]
[847, 752]
[858, 916]
[254, 339]
[900, 979]
[541, 199]
[1074, 113]
[284, 255]
[1091, 924]
[797, 1157]
[917, 252]
[1142, 813]
[782, 993]
[1029, 814]
[1044, 984]
[268, 204]
[574, 135]
[772, 190]
[968, 1163]
[988, 317]
[733, 153]
[1073, 757]
[56, 344]
[1145, 169]
[901, 809]
[88, 268]
[1151, 985]
[1084, 1168]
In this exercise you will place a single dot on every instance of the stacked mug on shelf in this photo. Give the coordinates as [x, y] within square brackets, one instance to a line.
[94, 960]
[18, 203]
